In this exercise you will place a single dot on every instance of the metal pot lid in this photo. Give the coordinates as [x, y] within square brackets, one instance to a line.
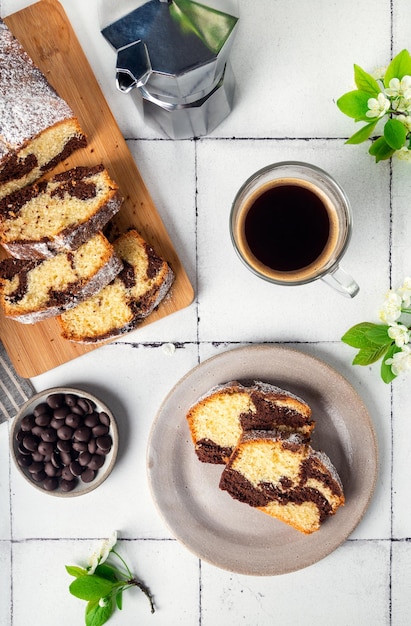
[178, 35]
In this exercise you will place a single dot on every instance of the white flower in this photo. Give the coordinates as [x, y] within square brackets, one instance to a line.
[400, 334]
[391, 308]
[379, 73]
[406, 120]
[400, 361]
[101, 555]
[403, 154]
[378, 106]
[399, 88]
[405, 292]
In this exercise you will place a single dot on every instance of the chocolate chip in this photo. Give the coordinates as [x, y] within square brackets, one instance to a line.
[88, 475]
[61, 413]
[96, 462]
[43, 419]
[27, 422]
[63, 445]
[55, 400]
[31, 442]
[65, 433]
[41, 409]
[70, 399]
[50, 483]
[68, 485]
[100, 430]
[35, 467]
[73, 420]
[83, 434]
[104, 418]
[46, 448]
[75, 468]
[24, 460]
[91, 420]
[84, 458]
[104, 443]
[49, 434]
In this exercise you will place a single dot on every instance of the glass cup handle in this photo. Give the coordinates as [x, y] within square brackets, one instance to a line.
[341, 281]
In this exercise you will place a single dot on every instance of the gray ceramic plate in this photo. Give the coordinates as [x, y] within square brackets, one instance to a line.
[230, 534]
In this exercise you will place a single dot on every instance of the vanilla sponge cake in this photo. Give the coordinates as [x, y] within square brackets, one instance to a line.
[218, 419]
[285, 478]
[38, 129]
[58, 214]
[31, 291]
[135, 292]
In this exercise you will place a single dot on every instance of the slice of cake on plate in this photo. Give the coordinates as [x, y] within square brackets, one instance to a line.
[218, 419]
[33, 290]
[285, 478]
[38, 129]
[131, 297]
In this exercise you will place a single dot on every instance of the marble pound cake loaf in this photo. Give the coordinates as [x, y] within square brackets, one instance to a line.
[38, 129]
[218, 419]
[285, 478]
[123, 304]
[33, 290]
[58, 214]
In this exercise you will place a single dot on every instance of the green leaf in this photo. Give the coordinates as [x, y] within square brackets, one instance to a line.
[399, 67]
[379, 335]
[106, 571]
[366, 82]
[367, 356]
[355, 104]
[395, 134]
[387, 374]
[97, 615]
[75, 571]
[381, 150]
[356, 337]
[363, 134]
[91, 587]
[119, 599]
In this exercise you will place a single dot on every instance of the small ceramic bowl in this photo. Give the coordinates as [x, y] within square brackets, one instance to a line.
[66, 449]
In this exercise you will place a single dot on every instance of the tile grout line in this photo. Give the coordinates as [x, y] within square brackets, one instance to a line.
[197, 333]
[391, 390]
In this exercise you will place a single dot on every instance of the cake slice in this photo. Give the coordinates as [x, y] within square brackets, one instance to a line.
[59, 214]
[31, 291]
[38, 129]
[218, 419]
[285, 478]
[130, 298]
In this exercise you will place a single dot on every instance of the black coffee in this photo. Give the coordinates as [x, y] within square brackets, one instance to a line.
[287, 227]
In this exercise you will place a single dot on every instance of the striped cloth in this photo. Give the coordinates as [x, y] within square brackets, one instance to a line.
[14, 390]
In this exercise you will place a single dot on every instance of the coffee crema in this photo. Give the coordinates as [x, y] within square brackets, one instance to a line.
[287, 230]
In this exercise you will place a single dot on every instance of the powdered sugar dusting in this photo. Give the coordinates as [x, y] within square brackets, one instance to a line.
[28, 103]
[326, 461]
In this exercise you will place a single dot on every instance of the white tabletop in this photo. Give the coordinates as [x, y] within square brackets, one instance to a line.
[292, 60]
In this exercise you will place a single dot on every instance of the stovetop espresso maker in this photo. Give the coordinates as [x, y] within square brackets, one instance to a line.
[173, 56]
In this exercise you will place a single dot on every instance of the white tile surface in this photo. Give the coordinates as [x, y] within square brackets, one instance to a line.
[292, 60]
[300, 598]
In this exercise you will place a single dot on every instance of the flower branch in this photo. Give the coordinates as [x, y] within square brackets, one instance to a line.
[382, 100]
[389, 341]
[102, 584]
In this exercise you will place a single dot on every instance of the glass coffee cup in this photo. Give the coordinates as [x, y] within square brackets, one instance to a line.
[291, 223]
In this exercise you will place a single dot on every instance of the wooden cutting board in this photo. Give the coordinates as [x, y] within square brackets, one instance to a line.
[46, 34]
